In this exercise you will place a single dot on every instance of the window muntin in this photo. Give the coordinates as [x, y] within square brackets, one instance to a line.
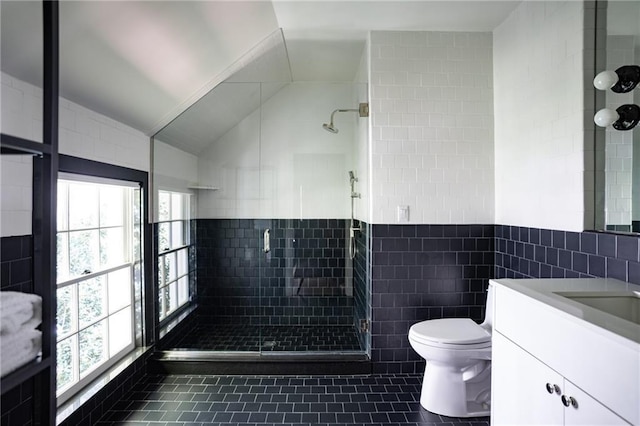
[173, 251]
[98, 255]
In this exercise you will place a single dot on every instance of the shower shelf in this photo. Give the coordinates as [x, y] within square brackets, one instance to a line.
[203, 187]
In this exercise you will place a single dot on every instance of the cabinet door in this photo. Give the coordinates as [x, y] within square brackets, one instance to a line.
[587, 410]
[519, 393]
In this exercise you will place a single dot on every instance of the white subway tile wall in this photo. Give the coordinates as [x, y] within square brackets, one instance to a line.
[618, 145]
[15, 195]
[362, 151]
[175, 164]
[83, 133]
[541, 109]
[279, 162]
[432, 128]
[174, 170]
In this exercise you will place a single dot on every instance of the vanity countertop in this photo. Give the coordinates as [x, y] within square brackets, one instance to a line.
[546, 290]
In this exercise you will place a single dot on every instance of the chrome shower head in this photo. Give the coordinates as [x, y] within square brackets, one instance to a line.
[329, 127]
[363, 111]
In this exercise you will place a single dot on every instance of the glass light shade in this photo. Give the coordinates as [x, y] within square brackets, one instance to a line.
[605, 80]
[605, 117]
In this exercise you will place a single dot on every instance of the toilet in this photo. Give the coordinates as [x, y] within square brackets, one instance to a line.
[457, 377]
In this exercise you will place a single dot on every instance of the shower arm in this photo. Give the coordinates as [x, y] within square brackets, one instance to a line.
[341, 110]
[362, 110]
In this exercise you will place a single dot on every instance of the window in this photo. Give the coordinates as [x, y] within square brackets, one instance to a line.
[173, 251]
[99, 266]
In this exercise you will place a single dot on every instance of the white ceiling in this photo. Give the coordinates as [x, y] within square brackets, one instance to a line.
[144, 62]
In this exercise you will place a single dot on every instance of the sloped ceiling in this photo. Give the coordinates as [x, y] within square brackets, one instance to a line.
[135, 61]
[144, 62]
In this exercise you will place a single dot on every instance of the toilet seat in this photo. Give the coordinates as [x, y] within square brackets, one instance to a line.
[451, 332]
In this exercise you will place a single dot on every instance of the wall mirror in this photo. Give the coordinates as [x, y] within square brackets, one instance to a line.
[620, 157]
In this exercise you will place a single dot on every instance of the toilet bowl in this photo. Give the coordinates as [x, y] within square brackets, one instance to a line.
[457, 351]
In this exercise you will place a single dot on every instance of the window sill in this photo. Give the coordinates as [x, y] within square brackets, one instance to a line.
[175, 318]
[85, 394]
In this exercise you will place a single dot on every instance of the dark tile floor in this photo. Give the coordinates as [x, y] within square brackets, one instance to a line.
[389, 400]
[244, 337]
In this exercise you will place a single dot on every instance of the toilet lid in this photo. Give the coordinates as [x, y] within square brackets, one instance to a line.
[460, 331]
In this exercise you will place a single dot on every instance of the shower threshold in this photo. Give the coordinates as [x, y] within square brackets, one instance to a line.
[259, 363]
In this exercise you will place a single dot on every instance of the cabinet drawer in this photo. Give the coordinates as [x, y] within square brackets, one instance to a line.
[586, 355]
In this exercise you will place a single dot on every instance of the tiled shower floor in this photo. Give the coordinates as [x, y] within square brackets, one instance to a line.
[389, 400]
[242, 337]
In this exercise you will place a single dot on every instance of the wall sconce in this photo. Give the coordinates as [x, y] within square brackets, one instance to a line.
[622, 80]
[626, 117]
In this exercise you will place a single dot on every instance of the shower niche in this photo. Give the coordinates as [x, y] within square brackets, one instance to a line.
[277, 268]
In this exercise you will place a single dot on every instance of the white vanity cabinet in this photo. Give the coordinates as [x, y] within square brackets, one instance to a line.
[551, 367]
[586, 410]
[525, 391]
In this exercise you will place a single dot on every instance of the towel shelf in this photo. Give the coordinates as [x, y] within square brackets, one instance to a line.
[23, 374]
[15, 145]
[203, 187]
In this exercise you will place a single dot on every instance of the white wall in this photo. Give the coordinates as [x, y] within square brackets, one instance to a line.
[361, 146]
[432, 129]
[82, 133]
[544, 132]
[279, 162]
[173, 170]
[15, 195]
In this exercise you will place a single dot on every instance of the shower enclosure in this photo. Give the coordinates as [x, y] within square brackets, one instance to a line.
[277, 260]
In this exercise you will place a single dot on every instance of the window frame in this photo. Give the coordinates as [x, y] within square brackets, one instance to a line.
[145, 328]
[128, 262]
[163, 253]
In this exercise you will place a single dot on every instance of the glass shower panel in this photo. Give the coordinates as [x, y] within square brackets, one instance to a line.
[223, 133]
[220, 135]
[272, 211]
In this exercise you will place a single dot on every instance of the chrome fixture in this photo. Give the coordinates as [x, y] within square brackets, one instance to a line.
[353, 179]
[363, 111]
[267, 240]
[352, 227]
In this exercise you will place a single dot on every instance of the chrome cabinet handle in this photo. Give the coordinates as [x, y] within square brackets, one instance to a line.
[569, 401]
[552, 388]
[267, 242]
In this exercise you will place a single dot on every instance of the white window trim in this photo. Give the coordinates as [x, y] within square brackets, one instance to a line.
[162, 284]
[163, 251]
[70, 391]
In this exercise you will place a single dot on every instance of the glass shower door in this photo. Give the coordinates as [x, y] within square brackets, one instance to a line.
[307, 274]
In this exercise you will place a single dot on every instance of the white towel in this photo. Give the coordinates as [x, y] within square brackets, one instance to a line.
[19, 349]
[19, 310]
